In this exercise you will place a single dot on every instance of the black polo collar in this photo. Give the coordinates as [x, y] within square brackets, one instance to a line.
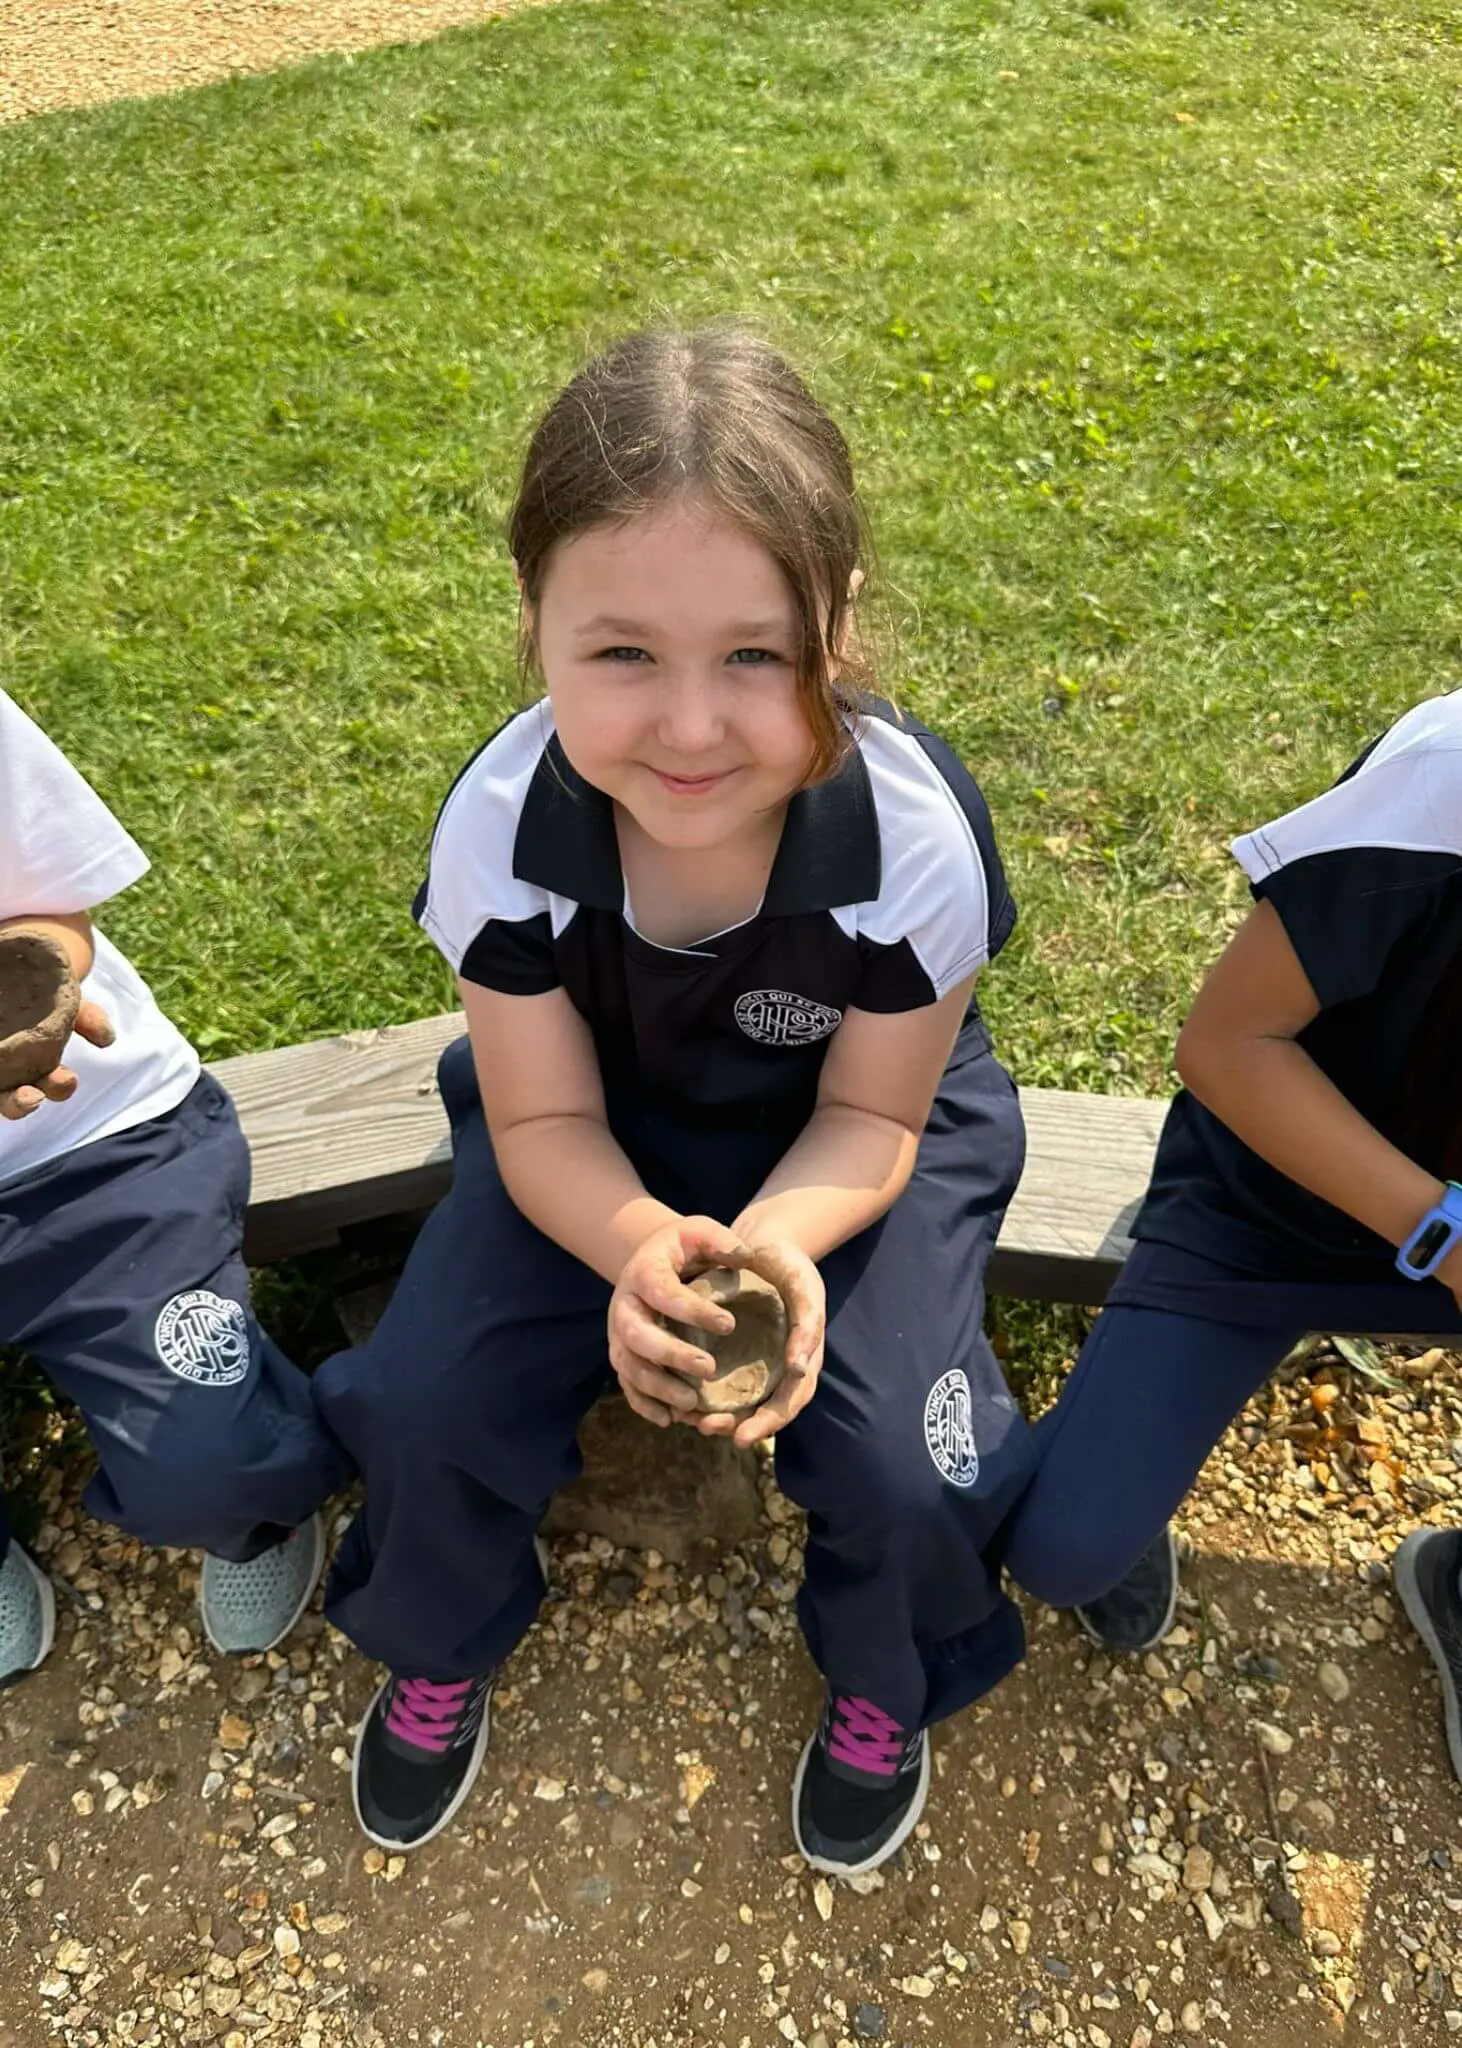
[829, 853]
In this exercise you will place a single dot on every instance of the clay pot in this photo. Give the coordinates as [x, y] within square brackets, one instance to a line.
[39, 999]
[751, 1360]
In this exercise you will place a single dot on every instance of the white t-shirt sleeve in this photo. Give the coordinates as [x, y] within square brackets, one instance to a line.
[1358, 871]
[930, 927]
[491, 927]
[61, 850]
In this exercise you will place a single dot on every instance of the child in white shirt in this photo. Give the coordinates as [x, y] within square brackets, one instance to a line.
[124, 1178]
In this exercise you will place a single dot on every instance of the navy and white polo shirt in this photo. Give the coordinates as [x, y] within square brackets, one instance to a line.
[886, 891]
[1368, 882]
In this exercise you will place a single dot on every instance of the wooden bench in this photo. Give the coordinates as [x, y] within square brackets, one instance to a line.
[348, 1130]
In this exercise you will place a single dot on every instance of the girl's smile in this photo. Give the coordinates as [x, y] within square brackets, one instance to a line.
[691, 785]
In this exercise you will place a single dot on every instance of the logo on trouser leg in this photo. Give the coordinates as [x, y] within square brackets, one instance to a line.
[204, 1337]
[949, 1429]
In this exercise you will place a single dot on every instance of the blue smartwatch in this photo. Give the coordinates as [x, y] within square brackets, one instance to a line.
[1438, 1233]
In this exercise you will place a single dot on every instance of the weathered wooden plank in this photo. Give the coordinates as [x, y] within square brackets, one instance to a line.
[1088, 1161]
[344, 1130]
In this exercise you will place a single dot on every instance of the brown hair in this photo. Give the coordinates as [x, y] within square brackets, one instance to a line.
[718, 414]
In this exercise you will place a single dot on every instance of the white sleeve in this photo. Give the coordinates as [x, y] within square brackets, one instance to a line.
[490, 927]
[1404, 802]
[61, 850]
[930, 926]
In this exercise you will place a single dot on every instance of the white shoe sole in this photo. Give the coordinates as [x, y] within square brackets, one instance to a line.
[312, 1532]
[469, 1779]
[46, 1593]
[895, 1841]
[1139, 1649]
[1403, 1572]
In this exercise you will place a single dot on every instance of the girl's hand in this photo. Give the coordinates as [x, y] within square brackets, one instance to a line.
[59, 1085]
[798, 1281]
[652, 1284]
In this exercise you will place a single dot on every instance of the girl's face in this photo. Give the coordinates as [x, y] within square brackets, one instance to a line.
[668, 645]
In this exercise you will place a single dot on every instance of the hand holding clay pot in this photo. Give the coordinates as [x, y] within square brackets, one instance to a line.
[39, 999]
[41, 1005]
[751, 1359]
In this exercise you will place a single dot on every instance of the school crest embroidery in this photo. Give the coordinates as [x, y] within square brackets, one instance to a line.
[774, 1016]
[204, 1338]
[949, 1429]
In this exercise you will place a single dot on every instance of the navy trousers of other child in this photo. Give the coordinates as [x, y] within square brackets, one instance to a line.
[121, 1273]
[1181, 1346]
[461, 1411]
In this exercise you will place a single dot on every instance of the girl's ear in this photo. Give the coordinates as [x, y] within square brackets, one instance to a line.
[855, 584]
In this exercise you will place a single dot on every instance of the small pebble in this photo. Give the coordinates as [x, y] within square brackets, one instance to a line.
[1333, 1683]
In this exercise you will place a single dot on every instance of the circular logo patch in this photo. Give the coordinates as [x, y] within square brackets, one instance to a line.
[204, 1338]
[949, 1429]
[774, 1016]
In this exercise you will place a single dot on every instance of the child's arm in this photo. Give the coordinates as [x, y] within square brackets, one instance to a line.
[1237, 1054]
[852, 1160]
[74, 936]
[538, 1076]
[544, 1103]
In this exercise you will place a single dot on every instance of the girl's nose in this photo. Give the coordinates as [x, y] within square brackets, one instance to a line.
[692, 716]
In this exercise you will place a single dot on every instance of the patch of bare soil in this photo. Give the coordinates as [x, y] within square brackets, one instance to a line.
[70, 53]
[1250, 1838]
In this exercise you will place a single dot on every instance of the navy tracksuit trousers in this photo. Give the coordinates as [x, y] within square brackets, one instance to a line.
[121, 1273]
[461, 1411]
[1181, 1346]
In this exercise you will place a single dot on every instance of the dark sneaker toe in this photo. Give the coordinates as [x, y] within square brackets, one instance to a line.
[396, 1809]
[847, 1829]
[417, 1757]
[1137, 1612]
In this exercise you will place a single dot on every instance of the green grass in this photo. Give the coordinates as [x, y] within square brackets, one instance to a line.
[1158, 419]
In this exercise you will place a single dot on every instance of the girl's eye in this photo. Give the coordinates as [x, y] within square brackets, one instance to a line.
[749, 656]
[623, 654]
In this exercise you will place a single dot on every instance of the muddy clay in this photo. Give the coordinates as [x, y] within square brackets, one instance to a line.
[39, 999]
[751, 1360]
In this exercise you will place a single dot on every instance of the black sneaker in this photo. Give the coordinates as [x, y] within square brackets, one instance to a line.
[417, 1755]
[860, 1787]
[1138, 1611]
[1426, 1568]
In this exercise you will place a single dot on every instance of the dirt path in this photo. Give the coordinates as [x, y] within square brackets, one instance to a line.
[68, 53]
[1112, 1857]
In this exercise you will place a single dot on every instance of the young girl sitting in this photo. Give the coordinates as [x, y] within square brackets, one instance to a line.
[1307, 1179]
[716, 920]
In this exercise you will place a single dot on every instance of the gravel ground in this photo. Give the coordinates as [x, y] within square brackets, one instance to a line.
[68, 53]
[1250, 1839]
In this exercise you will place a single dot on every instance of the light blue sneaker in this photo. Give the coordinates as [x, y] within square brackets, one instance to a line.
[253, 1606]
[27, 1615]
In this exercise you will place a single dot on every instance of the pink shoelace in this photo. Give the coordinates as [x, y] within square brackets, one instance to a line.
[426, 1713]
[865, 1737]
